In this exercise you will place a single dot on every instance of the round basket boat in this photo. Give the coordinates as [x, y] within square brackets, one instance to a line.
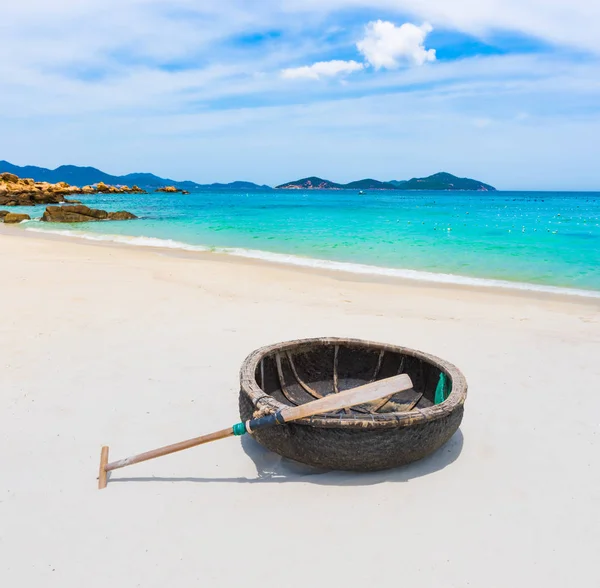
[384, 434]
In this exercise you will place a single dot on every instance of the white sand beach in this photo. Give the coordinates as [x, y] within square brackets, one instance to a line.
[136, 348]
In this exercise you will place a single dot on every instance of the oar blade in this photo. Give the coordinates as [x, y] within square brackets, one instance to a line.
[348, 398]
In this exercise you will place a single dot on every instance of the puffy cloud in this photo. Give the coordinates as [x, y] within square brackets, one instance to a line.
[322, 69]
[387, 46]
[384, 45]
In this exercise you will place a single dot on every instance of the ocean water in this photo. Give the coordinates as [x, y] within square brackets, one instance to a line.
[535, 240]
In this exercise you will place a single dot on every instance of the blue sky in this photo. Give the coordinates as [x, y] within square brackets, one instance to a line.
[507, 92]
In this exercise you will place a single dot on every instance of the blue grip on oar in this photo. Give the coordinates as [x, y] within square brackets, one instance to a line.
[266, 421]
[239, 429]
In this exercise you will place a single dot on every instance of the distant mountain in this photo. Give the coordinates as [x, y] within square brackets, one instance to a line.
[235, 186]
[369, 184]
[439, 181]
[82, 176]
[443, 181]
[312, 183]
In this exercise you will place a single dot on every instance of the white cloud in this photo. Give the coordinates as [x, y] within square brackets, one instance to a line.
[384, 45]
[321, 69]
[387, 46]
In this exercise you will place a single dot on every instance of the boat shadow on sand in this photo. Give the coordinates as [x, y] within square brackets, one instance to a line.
[274, 469]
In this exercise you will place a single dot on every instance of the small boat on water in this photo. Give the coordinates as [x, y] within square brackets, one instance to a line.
[393, 431]
[360, 192]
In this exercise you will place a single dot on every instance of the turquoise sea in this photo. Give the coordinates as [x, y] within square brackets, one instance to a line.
[534, 240]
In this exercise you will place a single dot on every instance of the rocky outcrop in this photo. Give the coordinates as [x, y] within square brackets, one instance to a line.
[105, 189]
[15, 191]
[77, 213]
[121, 215]
[82, 214]
[171, 190]
[13, 218]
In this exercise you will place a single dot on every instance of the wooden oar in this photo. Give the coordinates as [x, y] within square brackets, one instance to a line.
[330, 403]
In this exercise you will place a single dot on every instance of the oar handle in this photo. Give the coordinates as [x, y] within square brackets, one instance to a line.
[115, 465]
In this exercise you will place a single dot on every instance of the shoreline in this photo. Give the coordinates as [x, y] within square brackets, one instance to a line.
[344, 271]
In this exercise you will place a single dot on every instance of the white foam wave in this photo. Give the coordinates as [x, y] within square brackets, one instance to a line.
[124, 239]
[308, 262]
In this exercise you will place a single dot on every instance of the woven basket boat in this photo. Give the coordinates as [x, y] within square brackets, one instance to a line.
[385, 434]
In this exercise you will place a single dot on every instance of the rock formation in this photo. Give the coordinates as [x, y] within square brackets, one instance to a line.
[106, 189]
[82, 214]
[15, 191]
[13, 218]
[121, 215]
[171, 190]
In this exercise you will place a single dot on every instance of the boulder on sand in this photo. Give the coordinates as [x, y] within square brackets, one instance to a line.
[3, 213]
[13, 217]
[81, 214]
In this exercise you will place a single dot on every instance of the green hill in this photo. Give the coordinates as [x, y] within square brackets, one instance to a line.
[369, 184]
[312, 183]
[443, 181]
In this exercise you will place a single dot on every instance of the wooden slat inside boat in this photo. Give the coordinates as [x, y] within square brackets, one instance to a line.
[393, 431]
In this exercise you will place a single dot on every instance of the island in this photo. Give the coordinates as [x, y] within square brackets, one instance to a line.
[439, 181]
[442, 181]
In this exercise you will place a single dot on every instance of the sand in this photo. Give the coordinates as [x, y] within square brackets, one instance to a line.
[134, 349]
